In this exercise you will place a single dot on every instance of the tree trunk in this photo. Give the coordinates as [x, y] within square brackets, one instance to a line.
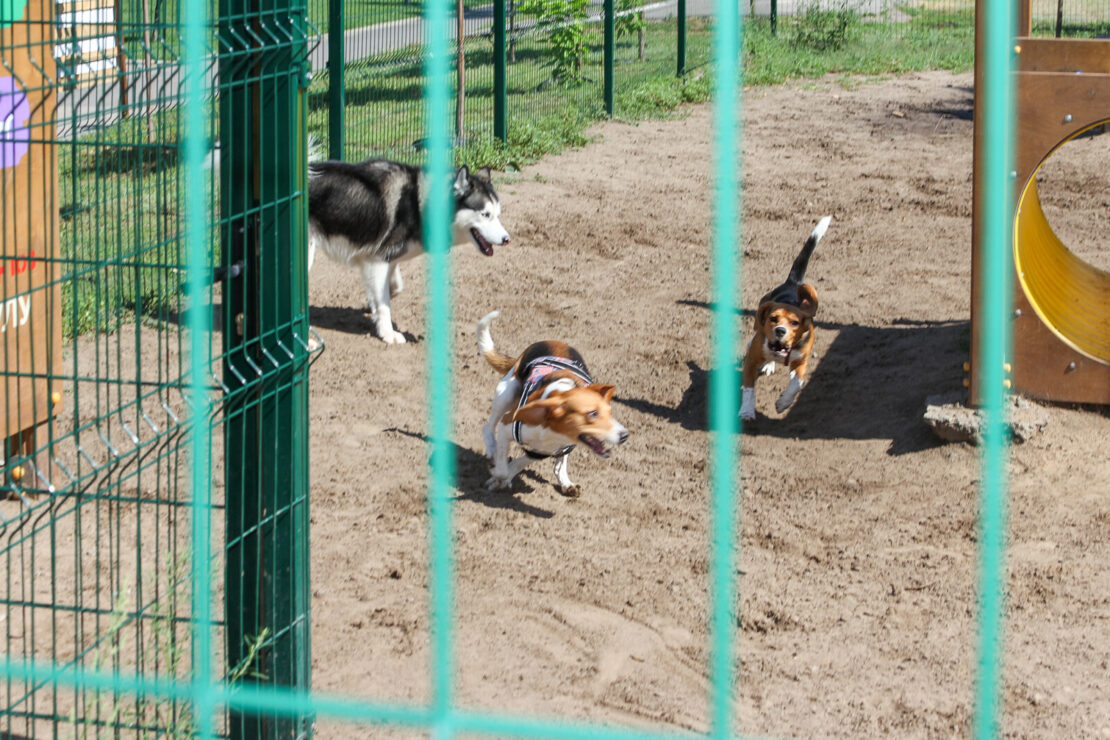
[643, 37]
[512, 30]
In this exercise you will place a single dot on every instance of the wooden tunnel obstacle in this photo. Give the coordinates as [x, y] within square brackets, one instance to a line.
[1061, 321]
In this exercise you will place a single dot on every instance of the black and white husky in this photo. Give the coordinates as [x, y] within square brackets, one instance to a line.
[370, 215]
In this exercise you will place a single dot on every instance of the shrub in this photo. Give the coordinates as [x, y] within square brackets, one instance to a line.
[823, 30]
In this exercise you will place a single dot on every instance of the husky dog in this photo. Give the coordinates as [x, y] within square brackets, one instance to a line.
[370, 215]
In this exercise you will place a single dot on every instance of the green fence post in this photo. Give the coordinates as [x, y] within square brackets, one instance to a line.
[774, 17]
[610, 52]
[994, 43]
[680, 51]
[500, 88]
[337, 86]
[194, 22]
[263, 232]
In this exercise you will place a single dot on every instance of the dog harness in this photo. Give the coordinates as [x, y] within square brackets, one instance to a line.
[534, 373]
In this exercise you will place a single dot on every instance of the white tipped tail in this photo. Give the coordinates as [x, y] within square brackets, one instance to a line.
[821, 228]
[485, 340]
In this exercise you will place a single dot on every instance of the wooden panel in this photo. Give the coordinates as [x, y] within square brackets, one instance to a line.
[1053, 104]
[30, 301]
[1052, 107]
[1089, 56]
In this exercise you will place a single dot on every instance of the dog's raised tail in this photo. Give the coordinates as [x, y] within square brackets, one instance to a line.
[801, 262]
[502, 363]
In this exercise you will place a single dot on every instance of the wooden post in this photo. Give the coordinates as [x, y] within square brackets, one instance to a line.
[1025, 18]
[30, 291]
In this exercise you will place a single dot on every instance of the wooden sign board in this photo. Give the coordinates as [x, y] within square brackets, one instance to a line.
[30, 292]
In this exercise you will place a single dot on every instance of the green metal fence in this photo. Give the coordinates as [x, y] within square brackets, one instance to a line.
[158, 359]
[550, 64]
[155, 549]
[523, 62]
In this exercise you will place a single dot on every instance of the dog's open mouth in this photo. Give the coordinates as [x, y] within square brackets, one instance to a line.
[594, 444]
[483, 245]
[780, 349]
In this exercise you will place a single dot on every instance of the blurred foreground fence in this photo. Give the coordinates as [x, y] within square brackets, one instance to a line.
[154, 539]
[136, 337]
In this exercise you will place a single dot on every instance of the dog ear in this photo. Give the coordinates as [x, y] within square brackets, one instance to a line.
[761, 314]
[535, 413]
[483, 174]
[605, 391]
[807, 299]
[462, 182]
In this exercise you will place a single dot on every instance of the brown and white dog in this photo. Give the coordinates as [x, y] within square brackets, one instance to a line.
[783, 331]
[547, 402]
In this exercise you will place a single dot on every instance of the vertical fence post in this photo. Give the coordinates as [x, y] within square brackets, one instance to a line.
[437, 96]
[194, 27]
[262, 183]
[680, 51]
[723, 409]
[995, 131]
[337, 86]
[500, 88]
[610, 52]
[774, 17]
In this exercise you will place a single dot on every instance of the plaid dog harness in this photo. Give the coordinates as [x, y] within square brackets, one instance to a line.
[534, 373]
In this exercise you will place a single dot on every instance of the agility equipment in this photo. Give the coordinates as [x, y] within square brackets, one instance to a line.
[30, 293]
[1061, 304]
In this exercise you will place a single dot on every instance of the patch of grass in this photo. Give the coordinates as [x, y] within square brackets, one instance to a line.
[527, 142]
[663, 96]
[933, 18]
[1072, 30]
[823, 29]
[870, 48]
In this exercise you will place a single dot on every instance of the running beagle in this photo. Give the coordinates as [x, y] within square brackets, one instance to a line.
[547, 403]
[784, 331]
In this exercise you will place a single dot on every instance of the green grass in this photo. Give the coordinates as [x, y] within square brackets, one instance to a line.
[121, 217]
[384, 113]
[926, 42]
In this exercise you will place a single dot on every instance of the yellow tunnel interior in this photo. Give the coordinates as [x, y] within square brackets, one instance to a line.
[1070, 296]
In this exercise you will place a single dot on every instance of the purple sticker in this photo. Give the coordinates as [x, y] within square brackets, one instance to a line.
[14, 114]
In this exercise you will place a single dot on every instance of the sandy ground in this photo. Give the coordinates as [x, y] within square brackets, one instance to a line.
[858, 560]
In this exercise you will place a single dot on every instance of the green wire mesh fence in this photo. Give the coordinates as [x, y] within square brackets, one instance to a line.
[149, 320]
[154, 548]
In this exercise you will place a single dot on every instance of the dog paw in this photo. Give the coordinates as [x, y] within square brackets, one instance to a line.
[496, 483]
[392, 337]
[747, 415]
[768, 368]
[569, 491]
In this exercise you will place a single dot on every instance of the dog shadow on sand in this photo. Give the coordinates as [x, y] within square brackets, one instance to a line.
[868, 382]
[350, 321]
[472, 472]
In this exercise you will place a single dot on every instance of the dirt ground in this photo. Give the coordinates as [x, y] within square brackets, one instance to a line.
[857, 560]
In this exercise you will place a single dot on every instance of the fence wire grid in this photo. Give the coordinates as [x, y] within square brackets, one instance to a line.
[154, 547]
